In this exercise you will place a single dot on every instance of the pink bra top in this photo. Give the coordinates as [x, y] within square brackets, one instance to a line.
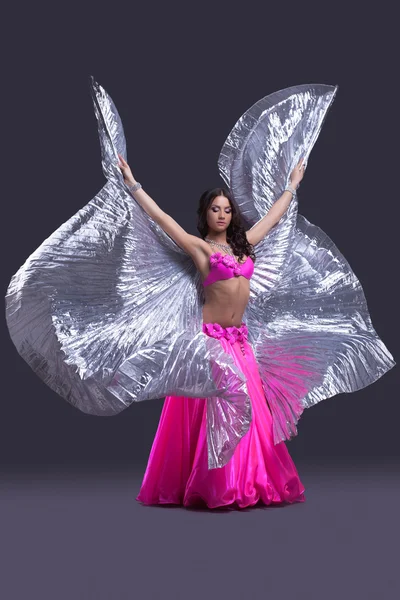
[225, 266]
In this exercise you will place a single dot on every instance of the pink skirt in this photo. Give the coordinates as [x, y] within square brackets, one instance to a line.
[258, 472]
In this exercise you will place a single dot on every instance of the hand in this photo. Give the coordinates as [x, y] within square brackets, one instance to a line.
[298, 173]
[126, 171]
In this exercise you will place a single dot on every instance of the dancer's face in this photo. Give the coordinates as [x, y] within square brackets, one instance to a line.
[219, 214]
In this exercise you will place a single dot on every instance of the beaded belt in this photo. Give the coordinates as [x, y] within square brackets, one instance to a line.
[232, 334]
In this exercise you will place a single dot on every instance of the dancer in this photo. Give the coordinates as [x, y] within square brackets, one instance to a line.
[239, 338]
[177, 470]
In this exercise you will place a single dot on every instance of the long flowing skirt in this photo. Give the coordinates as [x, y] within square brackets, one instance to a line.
[258, 472]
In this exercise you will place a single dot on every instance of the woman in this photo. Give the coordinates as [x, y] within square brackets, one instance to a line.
[177, 468]
[110, 310]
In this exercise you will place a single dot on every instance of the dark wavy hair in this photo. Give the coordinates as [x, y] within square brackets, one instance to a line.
[235, 234]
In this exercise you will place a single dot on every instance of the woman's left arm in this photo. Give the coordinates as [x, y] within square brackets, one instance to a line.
[279, 207]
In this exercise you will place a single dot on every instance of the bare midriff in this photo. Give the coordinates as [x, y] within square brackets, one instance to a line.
[226, 301]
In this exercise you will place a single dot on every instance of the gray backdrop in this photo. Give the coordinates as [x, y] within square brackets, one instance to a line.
[181, 75]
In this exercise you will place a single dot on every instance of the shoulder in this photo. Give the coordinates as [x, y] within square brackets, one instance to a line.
[200, 253]
[195, 245]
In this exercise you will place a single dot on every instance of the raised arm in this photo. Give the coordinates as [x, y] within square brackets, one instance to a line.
[190, 243]
[279, 207]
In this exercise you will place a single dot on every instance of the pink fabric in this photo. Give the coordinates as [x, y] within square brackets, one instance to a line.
[224, 266]
[259, 471]
[232, 334]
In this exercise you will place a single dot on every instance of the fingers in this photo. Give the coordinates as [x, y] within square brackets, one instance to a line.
[302, 163]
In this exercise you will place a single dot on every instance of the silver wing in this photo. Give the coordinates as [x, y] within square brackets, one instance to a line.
[108, 310]
[307, 316]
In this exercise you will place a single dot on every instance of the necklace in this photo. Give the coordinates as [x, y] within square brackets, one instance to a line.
[222, 246]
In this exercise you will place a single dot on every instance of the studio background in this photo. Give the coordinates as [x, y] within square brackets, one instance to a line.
[180, 77]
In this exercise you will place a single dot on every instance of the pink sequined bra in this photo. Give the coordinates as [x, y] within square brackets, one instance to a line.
[225, 266]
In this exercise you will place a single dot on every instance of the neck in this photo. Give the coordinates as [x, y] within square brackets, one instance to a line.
[218, 237]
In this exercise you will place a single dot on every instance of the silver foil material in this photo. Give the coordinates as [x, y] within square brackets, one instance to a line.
[307, 315]
[108, 310]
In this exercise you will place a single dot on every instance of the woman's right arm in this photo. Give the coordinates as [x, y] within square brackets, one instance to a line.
[190, 243]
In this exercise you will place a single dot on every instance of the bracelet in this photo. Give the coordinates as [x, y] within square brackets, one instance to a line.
[290, 189]
[134, 187]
